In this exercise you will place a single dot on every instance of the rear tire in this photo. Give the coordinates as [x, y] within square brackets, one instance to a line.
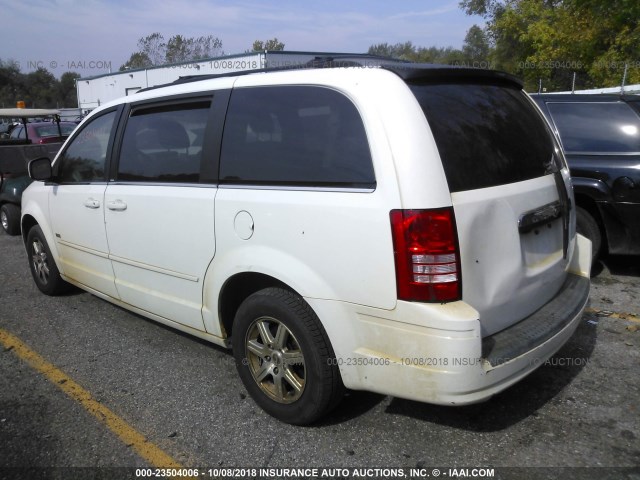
[43, 268]
[10, 218]
[284, 357]
[586, 225]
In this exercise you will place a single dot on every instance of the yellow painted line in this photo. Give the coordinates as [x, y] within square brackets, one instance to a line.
[129, 435]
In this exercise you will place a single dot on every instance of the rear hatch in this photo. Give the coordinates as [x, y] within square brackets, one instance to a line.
[510, 192]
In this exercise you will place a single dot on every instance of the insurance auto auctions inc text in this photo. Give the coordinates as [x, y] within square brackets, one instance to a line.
[368, 473]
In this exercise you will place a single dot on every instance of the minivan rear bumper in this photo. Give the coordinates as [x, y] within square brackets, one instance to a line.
[542, 325]
[435, 353]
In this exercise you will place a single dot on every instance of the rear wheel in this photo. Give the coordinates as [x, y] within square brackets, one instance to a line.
[43, 269]
[587, 226]
[284, 357]
[10, 218]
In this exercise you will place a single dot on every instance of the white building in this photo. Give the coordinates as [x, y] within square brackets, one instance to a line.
[97, 90]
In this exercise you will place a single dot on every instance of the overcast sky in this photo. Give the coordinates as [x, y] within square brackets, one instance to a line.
[62, 35]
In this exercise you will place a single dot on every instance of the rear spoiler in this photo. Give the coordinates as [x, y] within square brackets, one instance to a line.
[434, 73]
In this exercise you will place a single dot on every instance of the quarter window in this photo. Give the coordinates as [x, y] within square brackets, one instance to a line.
[597, 127]
[84, 159]
[297, 135]
[164, 143]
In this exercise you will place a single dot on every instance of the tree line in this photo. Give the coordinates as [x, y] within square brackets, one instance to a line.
[41, 89]
[557, 44]
[38, 89]
[153, 50]
[592, 43]
[554, 44]
[475, 51]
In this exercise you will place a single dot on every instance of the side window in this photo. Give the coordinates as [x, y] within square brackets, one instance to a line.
[164, 143]
[294, 135]
[84, 159]
[597, 127]
[18, 132]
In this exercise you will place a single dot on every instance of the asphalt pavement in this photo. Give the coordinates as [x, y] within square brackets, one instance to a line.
[183, 398]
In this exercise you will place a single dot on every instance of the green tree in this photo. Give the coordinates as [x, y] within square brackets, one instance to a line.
[178, 49]
[409, 52]
[154, 51]
[11, 83]
[205, 47]
[614, 40]
[553, 40]
[153, 47]
[476, 45]
[402, 51]
[41, 89]
[272, 45]
[137, 60]
[67, 92]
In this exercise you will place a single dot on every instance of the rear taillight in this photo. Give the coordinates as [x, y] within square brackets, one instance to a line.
[426, 254]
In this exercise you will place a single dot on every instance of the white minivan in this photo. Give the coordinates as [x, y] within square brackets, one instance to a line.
[406, 230]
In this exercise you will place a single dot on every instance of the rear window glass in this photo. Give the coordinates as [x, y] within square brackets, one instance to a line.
[487, 135]
[294, 135]
[52, 130]
[597, 127]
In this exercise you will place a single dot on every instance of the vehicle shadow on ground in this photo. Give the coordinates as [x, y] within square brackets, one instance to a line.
[353, 405]
[625, 265]
[518, 402]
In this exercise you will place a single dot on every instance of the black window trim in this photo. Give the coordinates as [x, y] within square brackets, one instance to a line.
[297, 187]
[212, 135]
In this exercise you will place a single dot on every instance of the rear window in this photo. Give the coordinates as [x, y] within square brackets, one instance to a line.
[597, 127]
[487, 135]
[294, 135]
[52, 130]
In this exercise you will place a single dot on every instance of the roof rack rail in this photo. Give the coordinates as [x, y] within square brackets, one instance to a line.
[408, 71]
[332, 61]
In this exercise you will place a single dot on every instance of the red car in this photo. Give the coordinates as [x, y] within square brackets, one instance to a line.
[43, 132]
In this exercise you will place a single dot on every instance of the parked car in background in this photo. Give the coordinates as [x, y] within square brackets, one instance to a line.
[600, 135]
[43, 132]
[26, 142]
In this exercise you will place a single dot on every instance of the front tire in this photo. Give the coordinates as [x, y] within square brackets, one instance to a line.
[10, 218]
[284, 357]
[43, 268]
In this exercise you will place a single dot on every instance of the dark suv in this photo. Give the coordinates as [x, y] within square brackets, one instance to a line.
[600, 135]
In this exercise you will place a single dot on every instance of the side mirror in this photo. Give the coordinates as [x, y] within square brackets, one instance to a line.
[40, 169]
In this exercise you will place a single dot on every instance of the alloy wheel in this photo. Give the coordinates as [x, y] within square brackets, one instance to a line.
[275, 359]
[40, 260]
